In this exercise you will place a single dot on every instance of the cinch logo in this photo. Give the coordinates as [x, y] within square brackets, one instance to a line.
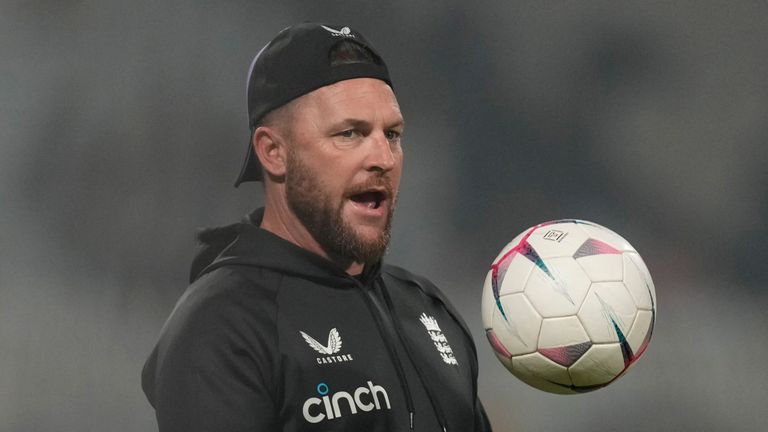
[328, 406]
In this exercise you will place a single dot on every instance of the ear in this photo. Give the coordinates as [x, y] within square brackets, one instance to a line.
[270, 148]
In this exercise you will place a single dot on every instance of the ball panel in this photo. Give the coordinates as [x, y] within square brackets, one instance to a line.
[641, 331]
[519, 332]
[561, 332]
[496, 344]
[499, 350]
[544, 373]
[600, 365]
[638, 281]
[603, 268]
[592, 246]
[488, 302]
[565, 355]
[608, 312]
[557, 240]
[516, 275]
[544, 385]
[604, 234]
[559, 291]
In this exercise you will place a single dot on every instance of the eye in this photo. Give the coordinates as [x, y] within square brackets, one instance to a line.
[392, 135]
[349, 133]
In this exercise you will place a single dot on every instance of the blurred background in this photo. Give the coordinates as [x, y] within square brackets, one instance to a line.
[123, 126]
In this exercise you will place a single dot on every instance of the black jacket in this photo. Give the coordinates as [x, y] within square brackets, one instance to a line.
[271, 337]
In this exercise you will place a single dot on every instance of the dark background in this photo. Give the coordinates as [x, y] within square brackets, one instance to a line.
[123, 125]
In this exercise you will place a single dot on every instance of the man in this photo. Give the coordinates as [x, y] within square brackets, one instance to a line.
[292, 322]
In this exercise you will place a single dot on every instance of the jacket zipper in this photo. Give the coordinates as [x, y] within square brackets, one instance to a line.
[442, 421]
[386, 331]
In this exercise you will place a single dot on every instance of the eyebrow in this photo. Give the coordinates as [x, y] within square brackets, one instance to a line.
[364, 123]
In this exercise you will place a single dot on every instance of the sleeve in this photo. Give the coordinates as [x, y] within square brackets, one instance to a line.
[211, 370]
[481, 418]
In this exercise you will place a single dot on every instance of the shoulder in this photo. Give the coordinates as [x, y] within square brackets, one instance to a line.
[223, 308]
[222, 315]
[232, 283]
[215, 349]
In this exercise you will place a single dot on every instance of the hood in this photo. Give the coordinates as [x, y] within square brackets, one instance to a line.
[246, 244]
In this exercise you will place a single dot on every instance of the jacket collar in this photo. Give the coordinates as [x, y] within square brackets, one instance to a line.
[245, 243]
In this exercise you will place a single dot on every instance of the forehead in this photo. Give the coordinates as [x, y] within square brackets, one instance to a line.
[359, 97]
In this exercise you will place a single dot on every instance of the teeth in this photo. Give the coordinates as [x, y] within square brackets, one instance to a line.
[372, 205]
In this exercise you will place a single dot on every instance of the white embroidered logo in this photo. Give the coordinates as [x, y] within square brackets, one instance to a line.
[333, 347]
[438, 338]
[344, 32]
[331, 406]
[334, 342]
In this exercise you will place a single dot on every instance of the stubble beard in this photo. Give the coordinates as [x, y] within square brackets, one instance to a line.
[313, 205]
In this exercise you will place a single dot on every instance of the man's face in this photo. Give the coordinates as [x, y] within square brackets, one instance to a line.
[344, 165]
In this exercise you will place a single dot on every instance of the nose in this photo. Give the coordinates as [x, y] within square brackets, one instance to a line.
[381, 156]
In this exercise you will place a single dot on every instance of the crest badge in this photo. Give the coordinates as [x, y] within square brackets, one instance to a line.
[438, 338]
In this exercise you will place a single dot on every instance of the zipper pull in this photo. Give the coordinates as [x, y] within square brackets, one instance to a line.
[410, 416]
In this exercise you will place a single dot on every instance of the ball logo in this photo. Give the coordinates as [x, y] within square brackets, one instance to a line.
[555, 235]
[330, 406]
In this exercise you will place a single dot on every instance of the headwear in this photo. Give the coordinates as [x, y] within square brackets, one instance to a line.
[296, 62]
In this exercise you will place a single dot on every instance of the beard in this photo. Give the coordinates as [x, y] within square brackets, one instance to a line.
[314, 207]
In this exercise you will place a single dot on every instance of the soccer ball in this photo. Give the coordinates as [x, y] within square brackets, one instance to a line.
[568, 306]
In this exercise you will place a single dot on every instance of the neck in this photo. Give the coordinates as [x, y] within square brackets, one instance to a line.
[282, 222]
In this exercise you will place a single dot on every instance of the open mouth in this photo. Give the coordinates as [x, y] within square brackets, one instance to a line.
[370, 199]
